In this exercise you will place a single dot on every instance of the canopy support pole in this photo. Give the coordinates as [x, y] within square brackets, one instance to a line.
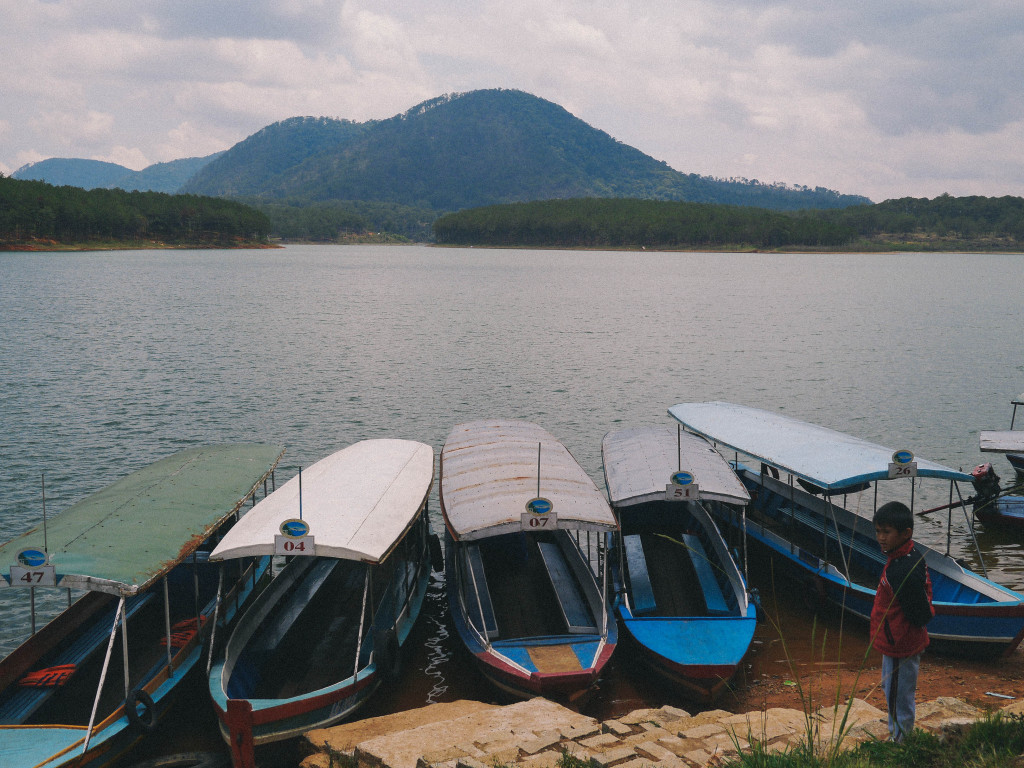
[970, 525]
[480, 608]
[604, 588]
[167, 624]
[124, 650]
[103, 674]
[362, 618]
[216, 613]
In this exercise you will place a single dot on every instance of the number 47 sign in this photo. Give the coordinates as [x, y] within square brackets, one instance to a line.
[43, 576]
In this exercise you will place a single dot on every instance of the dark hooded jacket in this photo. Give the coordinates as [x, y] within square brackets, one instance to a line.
[903, 604]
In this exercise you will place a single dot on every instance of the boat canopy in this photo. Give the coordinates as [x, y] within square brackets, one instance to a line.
[829, 459]
[489, 473]
[358, 503]
[639, 464]
[1010, 441]
[123, 538]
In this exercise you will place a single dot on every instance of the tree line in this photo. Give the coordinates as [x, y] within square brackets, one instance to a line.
[944, 223]
[32, 211]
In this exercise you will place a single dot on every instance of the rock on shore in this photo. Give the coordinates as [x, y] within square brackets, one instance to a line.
[535, 733]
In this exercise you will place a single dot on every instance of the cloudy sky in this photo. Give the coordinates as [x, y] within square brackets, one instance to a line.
[884, 98]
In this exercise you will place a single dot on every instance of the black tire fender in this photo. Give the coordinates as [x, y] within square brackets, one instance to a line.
[147, 719]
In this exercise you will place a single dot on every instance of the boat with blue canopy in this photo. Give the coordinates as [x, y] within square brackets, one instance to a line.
[799, 519]
[525, 529]
[679, 593]
[329, 629]
[75, 695]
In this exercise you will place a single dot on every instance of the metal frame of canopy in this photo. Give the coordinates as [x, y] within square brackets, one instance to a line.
[178, 502]
[817, 455]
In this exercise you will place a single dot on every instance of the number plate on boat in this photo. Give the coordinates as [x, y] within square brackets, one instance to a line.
[675, 492]
[288, 545]
[903, 470]
[40, 576]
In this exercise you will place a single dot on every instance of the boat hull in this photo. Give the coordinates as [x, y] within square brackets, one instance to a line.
[251, 716]
[699, 655]
[973, 616]
[1006, 512]
[117, 734]
[562, 667]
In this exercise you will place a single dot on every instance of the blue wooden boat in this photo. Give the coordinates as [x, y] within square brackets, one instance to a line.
[75, 694]
[995, 505]
[519, 511]
[679, 593]
[817, 520]
[329, 629]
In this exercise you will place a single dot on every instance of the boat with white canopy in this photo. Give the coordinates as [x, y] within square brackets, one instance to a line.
[88, 685]
[519, 512]
[329, 629]
[799, 519]
[679, 592]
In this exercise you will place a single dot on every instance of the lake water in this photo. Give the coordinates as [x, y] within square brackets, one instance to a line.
[111, 360]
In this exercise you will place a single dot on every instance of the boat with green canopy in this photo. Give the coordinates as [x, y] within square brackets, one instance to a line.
[72, 694]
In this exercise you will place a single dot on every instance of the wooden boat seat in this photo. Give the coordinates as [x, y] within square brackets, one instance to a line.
[488, 621]
[246, 676]
[710, 588]
[640, 591]
[22, 702]
[570, 598]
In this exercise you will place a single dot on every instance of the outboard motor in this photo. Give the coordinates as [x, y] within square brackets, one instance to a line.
[986, 482]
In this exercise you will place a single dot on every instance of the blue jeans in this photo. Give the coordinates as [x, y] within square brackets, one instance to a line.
[899, 682]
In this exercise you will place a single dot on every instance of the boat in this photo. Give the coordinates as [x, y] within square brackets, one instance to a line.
[995, 505]
[329, 629]
[818, 520]
[679, 593]
[518, 511]
[74, 693]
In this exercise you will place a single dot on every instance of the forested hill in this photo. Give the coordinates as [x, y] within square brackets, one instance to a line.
[944, 223]
[36, 215]
[472, 149]
[96, 174]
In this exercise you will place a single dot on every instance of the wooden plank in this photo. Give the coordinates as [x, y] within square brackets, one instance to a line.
[570, 600]
[713, 596]
[640, 589]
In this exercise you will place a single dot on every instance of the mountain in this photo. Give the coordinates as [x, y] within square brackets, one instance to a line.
[466, 150]
[72, 172]
[96, 174]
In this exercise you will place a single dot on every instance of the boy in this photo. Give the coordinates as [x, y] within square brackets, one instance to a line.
[902, 608]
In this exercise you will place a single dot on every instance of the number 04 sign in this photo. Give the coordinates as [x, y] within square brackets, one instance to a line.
[294, 539]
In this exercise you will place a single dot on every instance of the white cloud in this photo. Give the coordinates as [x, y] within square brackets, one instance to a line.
[877, 98]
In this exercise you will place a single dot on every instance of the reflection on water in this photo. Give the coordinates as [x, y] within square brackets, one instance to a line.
[114, 360]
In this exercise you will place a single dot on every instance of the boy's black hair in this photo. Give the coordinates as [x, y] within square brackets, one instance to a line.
[895, 515]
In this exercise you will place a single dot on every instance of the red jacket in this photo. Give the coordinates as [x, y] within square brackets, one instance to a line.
[903, 604]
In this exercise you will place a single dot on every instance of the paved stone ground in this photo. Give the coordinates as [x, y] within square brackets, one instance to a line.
[535, 733]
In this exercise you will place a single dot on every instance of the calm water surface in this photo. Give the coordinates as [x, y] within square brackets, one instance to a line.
[109, 361]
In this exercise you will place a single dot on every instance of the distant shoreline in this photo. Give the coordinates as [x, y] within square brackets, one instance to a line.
[51, 246]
